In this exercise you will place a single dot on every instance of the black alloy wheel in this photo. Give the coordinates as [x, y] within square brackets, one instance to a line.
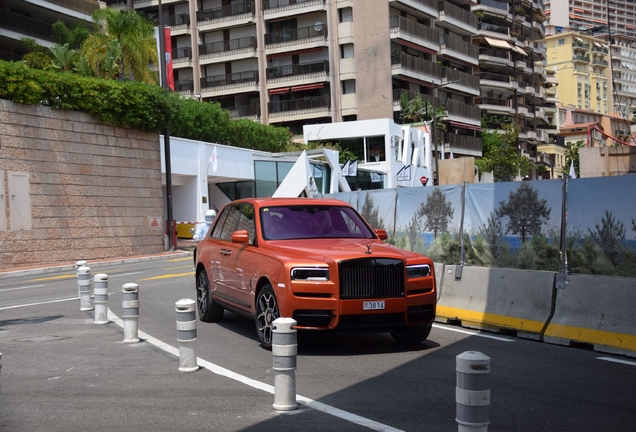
[412, 335]
[209, 310]
[266, 312]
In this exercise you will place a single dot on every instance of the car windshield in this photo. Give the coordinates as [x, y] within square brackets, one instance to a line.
[304, 222]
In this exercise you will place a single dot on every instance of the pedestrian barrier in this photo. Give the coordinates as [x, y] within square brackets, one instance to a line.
[130, 305]
[78, 265]
[596, 310]
[100, 293]
[84, 286]
[187, 334]
[472, 394]
[497, 298]
[284, 353]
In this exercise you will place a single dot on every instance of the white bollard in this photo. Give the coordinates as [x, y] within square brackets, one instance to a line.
[472, 393]
[100, 292]
[78, 265]
[130, 305]
[284, 352]
[84, 286]
[187, 334]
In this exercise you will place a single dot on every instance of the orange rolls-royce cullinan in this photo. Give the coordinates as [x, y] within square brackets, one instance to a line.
[316, 261]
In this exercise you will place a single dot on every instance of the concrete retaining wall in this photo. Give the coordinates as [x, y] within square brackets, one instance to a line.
[95, 190]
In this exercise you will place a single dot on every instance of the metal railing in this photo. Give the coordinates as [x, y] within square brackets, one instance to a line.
[299, 104]
[495, 53]
[458, 45]
[177, 20]
[226, 11]
[495, 4]
[494, 77]
[229, 79]
[298, 69]
[244, 111]
[413, 28]
[463, 78]
[272, 4]
[417, 64]
[581, 58]
[26, 26]
[465, 142]
[492, 101]
[463, 110]
[577, 44]
[494, 28]
[458, 13]
[428, 3]
[181, 53]
[228, 45]
[184, 85]
[295, 34]
[84, 6]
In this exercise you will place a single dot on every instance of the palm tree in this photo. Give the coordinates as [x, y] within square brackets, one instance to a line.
[135, 35]
[63, 57]
[418, 110]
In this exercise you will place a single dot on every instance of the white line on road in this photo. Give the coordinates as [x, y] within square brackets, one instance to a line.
[123, 274]
[472, 333]
[38, 304]
[20, 288]
[610, 359]
[318, 406]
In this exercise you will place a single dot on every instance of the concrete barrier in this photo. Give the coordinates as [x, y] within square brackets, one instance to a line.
[496, 299]
[596, 310]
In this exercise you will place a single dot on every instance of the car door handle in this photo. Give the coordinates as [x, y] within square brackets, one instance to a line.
[227, 252]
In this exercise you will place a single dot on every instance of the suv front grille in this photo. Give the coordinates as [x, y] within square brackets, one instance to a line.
[371, 278]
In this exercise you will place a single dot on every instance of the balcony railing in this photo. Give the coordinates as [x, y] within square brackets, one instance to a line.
[465, 142]
[295, 34]
[578, 44]
[245, 111]
[413, 28]
[299, 104]
[417, 64]
[298, 69]
[494, 28]
[453, 108]
[428, 3]
[178, 20]
[600, 62]
[583, 58]
[272, 4]
[228, 45]
[84, 6]
[458, 13]
[495, 4]
[462, 78]
[182, 53]
[226, 11]
[456, 44]
[26, 26]
[229, 79]
[600, 49]
[184, 85]
[492, 101]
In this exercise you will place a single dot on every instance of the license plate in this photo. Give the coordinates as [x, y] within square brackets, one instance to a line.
[373, 305]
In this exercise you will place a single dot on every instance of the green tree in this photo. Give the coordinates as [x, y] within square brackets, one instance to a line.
[526, 212]
[492, 232]
[500, 154]
[572, 154]
[136, 38]
[610, 237]
[64, 58]
[74, 36]
[371, 213]
[418, 110]
[38, 56]
[438, 212]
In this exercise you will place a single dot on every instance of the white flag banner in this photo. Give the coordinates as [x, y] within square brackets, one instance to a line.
[345, 168]
[214, 160]
[353, 168]
[572, 171]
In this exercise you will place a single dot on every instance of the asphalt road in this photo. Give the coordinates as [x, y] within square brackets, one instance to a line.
[60, 371]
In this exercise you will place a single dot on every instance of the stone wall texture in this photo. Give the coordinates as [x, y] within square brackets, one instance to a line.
[95, 189]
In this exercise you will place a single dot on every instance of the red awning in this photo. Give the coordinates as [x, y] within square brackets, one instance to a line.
[308, 87]
[279, 90]
[465, 126]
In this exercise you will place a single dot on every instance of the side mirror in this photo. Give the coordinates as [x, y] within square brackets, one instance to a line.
[240, 236]
[381, 234]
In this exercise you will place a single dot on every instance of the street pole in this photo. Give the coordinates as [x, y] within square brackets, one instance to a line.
[166, 135]
[435, 87]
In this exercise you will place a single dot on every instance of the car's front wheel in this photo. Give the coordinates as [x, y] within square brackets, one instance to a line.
[209, 310]
[412, 335]
[266, 313]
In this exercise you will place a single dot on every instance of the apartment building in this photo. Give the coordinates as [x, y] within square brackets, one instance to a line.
[512, 72]
[618, 15]
[297, 62]
[623, 73]
[24, 19]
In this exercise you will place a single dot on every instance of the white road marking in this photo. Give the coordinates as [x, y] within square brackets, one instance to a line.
[344, 415]
[615, 360]
[472, 333]
[123, 274]
[40, 303]
[21, 288]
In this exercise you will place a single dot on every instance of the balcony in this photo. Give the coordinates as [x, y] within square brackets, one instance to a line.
[600, 62]
[599, 49]
[458, 20]
[581, 58]
[296, 39]
[83, 6]
[228, 50]
[245, 111]
[498, 81]
[287, 72]
[226, 16]
[186, 85]
[276, 9]
[464, 143]
[218, 85]
[298, 109]
[578, 45]
[428, 7]
[416, 68]
[25, 26]
[455, 47]
[465, 82]
[414, 32]
[455, 111]
[181, 56]
[493, 7]
[495, 105]
[494, 56]
[485, 29]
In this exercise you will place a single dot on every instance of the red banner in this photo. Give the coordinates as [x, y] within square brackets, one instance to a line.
[168, 49]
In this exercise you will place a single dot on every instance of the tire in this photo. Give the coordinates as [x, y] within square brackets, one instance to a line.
[209, 310]
[412, 335]
[266, 312]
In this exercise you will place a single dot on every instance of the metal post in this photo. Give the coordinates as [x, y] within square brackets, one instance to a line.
[472, 394]
[130, 304]
[284, 352]
[187, 334]
[100, 291]
[84, 286]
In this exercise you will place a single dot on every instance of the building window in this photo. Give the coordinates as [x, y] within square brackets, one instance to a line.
[346, 14]
[560, 42]
[348, 86]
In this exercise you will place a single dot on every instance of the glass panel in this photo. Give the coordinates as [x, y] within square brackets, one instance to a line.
[375, 149]
[283, 170]
[230, 224]
[220, 221]
[245, 190]
[265, 175]
[246, 221]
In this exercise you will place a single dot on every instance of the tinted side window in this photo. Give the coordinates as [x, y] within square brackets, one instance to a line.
[220, 221]
[230, 223]
[246, 221]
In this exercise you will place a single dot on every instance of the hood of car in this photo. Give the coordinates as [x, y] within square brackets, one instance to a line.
[337, 249]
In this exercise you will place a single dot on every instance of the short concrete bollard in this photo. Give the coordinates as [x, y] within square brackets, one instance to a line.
[100, 291]
[284, 352]
[472, 393]
[130, 305]
[84, 286]
[187, 334]
[78, 265]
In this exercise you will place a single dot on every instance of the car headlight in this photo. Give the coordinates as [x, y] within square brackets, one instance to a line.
[419, 270]
[310, 274]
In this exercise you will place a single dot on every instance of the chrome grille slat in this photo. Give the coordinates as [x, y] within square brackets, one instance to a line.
[371, 278]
